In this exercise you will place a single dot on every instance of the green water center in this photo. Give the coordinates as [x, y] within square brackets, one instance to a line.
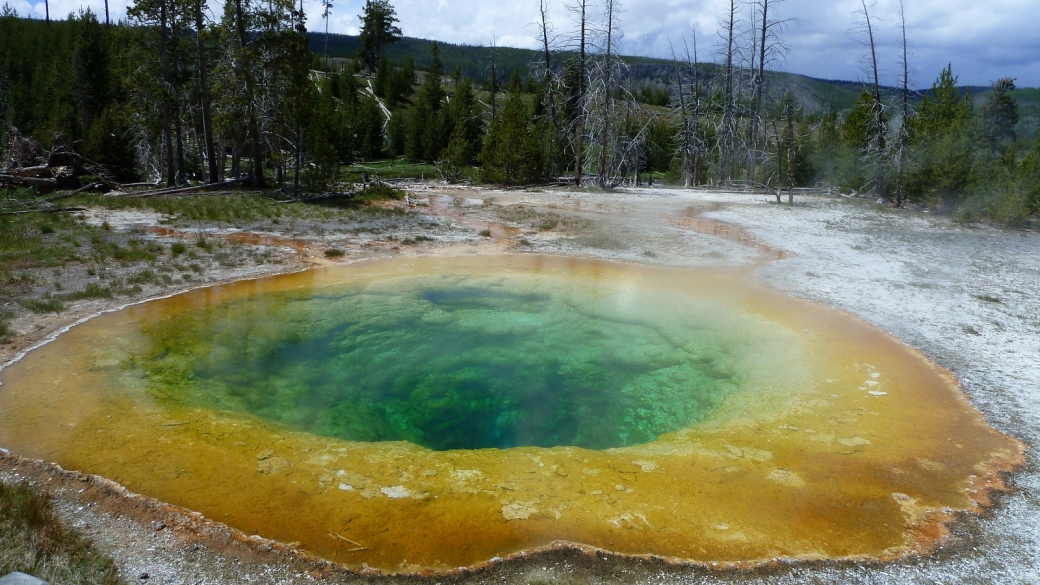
[451, 362]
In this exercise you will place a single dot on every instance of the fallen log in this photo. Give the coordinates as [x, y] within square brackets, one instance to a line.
[50, 210]
[82, 189]
[322, 197]
[39, 183]
[179, 190]
[37, 171]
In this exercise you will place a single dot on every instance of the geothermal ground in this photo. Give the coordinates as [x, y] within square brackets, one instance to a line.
[968, 297]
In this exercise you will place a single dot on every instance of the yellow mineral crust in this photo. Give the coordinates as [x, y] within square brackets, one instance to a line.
[867, 459]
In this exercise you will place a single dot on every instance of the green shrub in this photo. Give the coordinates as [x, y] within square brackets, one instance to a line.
[44, 305]
[5, 327]
[380, 192]
[91, 291]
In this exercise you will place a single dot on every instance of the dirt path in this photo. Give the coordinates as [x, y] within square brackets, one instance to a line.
[969, 298]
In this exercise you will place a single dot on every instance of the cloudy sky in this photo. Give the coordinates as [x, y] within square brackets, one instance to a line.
[983, 40]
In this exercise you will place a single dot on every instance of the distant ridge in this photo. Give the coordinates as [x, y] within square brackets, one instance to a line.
[815, 94]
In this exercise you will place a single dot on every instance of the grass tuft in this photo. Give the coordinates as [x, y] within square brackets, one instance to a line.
[5, 327]
[44, 305]
[91, 291]
[33, 540]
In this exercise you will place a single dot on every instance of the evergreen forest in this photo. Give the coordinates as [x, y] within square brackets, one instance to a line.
[174, 96]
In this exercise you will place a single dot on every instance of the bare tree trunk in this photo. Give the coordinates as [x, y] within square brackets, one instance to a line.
[494, 81]
[688, 118]
[236, 162]
[759, 81]
[106, 14]
[328, 12]
[222, 165]
[297, 159]
[696, 108]
[726, 138]
[204, 97]
[684, 138]
[604, 139]
[549, 93]
[179, 130]
[878, 107]
[779, 162]
[790, 153]
[901, 161]
[47, 8]
[164, 65]
[543, 8]
[175, 33]
[579, 149]
[257, 171]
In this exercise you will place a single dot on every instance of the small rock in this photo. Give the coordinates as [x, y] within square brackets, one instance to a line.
[144, 576]
[519, 510]
[17, 578]
[396, 492]
[272, 465]
[159, 526]
[646, 466]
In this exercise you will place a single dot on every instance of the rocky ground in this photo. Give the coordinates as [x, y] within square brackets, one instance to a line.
[969, 297]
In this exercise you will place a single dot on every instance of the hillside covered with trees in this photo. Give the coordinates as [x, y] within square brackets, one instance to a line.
[172, 97]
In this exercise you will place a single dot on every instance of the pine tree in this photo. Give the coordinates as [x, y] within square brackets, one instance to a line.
[378, 29]
[1000, 114]
[512, 151]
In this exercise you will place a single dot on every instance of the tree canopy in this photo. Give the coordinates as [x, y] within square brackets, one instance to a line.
[378, 29]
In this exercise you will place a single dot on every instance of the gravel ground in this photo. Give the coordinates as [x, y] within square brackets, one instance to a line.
[967, 297]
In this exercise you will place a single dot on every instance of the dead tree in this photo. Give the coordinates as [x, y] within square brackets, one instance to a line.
[727, 133]
[791, 145]
[611, 11]
[903, 124]
[546, 28]
[494, 79]
[326, 12]
[547, 40]
[175, 87]
[204, 96]
[257, 171]
[580, 11]
[770, 48]
[164, 67]
[877, 107]
[689, 142]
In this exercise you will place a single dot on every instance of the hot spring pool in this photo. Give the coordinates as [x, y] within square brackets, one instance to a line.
[435, 413]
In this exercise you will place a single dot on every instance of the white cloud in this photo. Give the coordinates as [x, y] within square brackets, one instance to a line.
[983, 40]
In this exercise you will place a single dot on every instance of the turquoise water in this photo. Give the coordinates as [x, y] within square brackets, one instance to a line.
[451, 362]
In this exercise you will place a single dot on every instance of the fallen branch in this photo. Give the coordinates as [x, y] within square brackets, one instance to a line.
[36, 171]
[82, 189]
[179, 190]
[45, 184]
[358, 546]
[51, 210]
[322, 197]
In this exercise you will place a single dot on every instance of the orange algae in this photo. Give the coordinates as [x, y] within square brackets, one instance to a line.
[860, 458]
